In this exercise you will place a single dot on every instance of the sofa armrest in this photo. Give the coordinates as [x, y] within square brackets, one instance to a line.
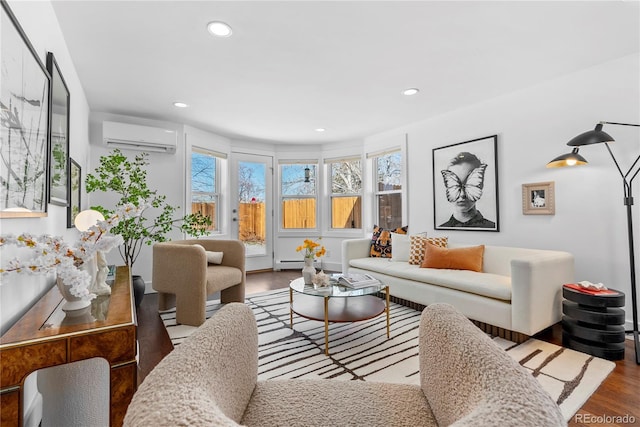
[536, 289]
[207, 380]
[469, 381]
[354, 249]
[167, 256]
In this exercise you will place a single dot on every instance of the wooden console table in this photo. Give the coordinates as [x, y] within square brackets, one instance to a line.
[45, 337]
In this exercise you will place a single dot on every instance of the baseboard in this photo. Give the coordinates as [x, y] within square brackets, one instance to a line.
[628, 325]
[295, 265]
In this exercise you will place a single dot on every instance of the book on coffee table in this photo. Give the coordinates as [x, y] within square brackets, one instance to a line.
[358, 280]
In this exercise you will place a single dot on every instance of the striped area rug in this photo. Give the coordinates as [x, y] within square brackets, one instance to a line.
[361, 351]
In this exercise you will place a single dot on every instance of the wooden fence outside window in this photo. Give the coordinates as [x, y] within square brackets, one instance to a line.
[346, 212]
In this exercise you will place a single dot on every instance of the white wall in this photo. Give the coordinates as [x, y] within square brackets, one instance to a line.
[533, 126]
[41, 26]
[17, 294]
[166, 174]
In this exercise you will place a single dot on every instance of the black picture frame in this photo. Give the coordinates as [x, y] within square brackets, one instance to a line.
[24, 125]
[59, 120]
[465, 186]
[74, 184]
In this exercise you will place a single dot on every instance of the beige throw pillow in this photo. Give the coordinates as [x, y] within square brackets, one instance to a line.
[212, 257]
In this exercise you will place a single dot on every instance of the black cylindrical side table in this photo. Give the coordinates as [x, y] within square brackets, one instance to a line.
[593, 323]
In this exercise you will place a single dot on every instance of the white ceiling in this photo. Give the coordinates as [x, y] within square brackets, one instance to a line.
[291, 67]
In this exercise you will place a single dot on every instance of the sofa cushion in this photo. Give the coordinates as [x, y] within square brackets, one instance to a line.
[418, 242]
[303, 403]
[381, 241]
[484, 284]
[453, 258]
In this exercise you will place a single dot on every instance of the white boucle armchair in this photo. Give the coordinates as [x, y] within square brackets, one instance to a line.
[466, 380]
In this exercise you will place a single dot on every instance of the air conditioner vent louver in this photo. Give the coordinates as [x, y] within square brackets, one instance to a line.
[137, 137]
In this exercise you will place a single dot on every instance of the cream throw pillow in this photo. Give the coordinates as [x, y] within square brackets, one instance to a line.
[212, 257]
[401, 245]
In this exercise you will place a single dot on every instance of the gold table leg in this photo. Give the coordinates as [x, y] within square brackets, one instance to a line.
[386, 290]
[290, 308]
[326, 325]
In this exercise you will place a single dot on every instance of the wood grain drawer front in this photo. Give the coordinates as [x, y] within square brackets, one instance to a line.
[18, 362]
[124, 380]
[10, 409]
[117, 345]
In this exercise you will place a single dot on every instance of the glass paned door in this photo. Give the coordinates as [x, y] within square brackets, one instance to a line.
[251, 215]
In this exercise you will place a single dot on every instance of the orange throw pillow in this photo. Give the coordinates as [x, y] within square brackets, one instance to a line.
[453, 258]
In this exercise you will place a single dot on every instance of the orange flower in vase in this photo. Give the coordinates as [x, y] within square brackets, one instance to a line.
[312, 250]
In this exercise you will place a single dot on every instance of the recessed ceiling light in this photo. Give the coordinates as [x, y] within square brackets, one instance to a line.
[410, 91]
[180, 104]
[219, 29]
[320, 129]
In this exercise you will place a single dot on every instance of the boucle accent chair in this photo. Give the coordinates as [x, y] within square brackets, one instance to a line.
[183, 278]
[466, 380]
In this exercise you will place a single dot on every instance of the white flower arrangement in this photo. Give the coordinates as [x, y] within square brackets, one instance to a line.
[53, 254]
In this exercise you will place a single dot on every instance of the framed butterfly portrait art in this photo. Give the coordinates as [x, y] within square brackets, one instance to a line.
[465, 186]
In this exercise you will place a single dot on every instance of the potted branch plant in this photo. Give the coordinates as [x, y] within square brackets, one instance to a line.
[128, 178]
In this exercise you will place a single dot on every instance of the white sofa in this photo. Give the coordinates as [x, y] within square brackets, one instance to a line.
[518, 289]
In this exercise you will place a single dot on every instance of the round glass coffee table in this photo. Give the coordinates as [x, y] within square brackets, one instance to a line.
[336, 303]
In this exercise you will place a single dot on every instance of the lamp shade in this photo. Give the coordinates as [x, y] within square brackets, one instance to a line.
[595, 136]
[569, 159]
[86, 219]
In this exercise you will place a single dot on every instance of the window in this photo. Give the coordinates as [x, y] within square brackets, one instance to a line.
[346, 193]
[388, 189]
[298, 192]
[205, 190]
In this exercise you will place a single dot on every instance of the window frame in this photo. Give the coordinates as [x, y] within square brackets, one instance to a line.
[282, 197]
[376, 193]
[331, 195]
[216, 195]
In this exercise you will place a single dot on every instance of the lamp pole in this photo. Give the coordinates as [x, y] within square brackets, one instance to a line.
[628, 201]
[597, 136]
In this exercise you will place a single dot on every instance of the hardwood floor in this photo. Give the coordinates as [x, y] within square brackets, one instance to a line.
[618, 396]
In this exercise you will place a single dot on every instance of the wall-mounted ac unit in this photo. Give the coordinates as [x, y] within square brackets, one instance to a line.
[137, 137]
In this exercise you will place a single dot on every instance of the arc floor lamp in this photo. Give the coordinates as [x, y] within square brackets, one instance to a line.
[598, 136]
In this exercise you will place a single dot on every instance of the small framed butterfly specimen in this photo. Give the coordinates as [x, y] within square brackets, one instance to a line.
[465, 185]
